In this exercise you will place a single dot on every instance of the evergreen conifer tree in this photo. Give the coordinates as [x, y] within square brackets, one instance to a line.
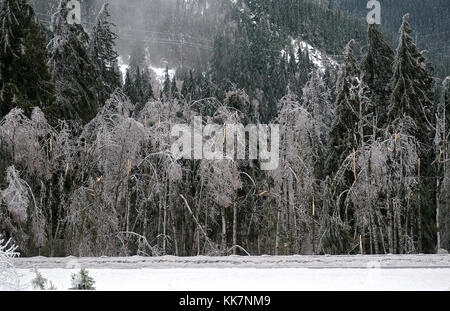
[166, 91]
[147, 85]
[174, 88]
[342, 140]
[104, 55]
[25, 81]
[187, 90]
[412, 88]
[377, 67]
[410, 110]
[346, 136]
[128, 87]
[72, 69]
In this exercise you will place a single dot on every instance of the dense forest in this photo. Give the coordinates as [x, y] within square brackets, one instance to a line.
[363, 110]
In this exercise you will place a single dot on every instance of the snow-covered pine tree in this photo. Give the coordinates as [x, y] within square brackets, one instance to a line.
[147, 85]
[82, 281]
[207, 88]
[292, 68]
[412, 99]
[139, 100]
[412, 88]
[377, 67]
[188, 88]
[280, 75]
[342, 140]
[41, 283]
[304, 67]
[129, 88]
[348, 134]
[138, 88]
[25, 80]
[73, 71]
[104, 55]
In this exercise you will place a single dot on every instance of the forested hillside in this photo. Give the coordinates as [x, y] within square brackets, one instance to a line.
[429, 20]
[87, 110]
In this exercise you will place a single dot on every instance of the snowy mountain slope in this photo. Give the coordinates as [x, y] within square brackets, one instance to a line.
[317, 57]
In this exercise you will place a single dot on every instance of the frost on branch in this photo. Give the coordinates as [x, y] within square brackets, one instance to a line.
[16, 194]
[9, 279]
[27, 141]
[294, 181]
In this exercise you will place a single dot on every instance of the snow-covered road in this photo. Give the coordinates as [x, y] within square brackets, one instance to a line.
[390, 272]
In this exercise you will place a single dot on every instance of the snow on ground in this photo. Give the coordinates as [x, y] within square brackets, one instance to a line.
[319, 59]
[253, 279]
[388, 272]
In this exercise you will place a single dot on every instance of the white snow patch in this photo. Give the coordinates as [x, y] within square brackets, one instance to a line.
[123, 67]
[159, 72]
[318, 58]
[369, 272]
[253, 279]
